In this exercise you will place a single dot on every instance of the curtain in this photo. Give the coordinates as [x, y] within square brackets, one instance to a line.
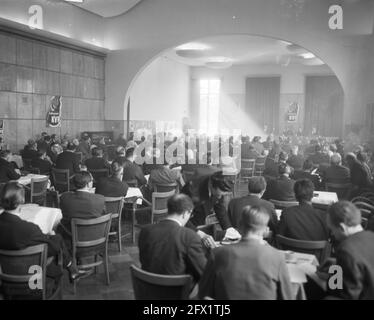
[262, 101]
[324, 103]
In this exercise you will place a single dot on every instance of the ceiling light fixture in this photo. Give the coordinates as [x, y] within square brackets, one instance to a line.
[76, 1]
[219, 62]
[307, 55]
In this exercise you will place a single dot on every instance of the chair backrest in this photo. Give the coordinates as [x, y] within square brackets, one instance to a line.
[16, 269]
[27, 163]
[260, 161]
[61, 179]
[166, 187]
[341, 189]
[318, 248]
[247, 168]
[283, 204]
[363, 199]
[159, 202]
[132, 183]
[152, 286]
[114, 205]
[90, 235]
[39, 190]
[367, 210]
[99, 173]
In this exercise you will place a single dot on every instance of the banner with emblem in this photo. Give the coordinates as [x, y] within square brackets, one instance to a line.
[1, 127]
[292, 111]
[54, 112]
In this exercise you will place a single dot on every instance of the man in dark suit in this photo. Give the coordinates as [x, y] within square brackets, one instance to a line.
[281, 189]
[81, 204]
[336, 173]
[17, 234]
[7, 171]
[42, 162]
[256, 188]
[307, 173]
[30, 151]
[132, 171]
[354, 253]
[250, 269]
[360, 178]
[303, 222]
[112, 186]
[68, 160]
[209, 195]
[97, 161]
[319, 158]
[295, 160]
[168, 247]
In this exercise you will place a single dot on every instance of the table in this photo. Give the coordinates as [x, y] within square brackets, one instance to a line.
[25, 180]
[46, 218]
[324, 198]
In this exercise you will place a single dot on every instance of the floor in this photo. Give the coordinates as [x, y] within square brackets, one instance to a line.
[120, 287]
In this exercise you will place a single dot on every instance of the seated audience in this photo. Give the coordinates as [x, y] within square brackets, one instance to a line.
[250, 269]
[170, 248]
[121, 155]
[307, 173]
[256, 188]
[164, 175]
[303, 222]
[363, 158]
[360, 177]
[281, 189]
[18, 234]
[30, 151]
[318, 157]
[55, 150]
[42, 162]
[209, 194]
[68, 160]
[336, 173]
[97, 161]
[354, 253]
[81, 204]
[84, 147]
[112, 186]
[44, 143]
[296, 160]
[132, 171]
[7, 171]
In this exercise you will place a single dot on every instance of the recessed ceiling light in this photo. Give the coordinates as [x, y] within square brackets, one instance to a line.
[79, 1]
[193, 46]
[307, 55]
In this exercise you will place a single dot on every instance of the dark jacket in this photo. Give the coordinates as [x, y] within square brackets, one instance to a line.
[111, 187]
[315, 178]
[167, 248]
[131, 171]
[68, 160]
[336, 174]
[236, 206]
[205, 204]
[360, 176]
[296, 161]
[96, 163]
[44, 166]
[247, 270]
[29, 153]
[280, 189]
[81, 205]
[355, 256]
[7, 172]
[303, 222]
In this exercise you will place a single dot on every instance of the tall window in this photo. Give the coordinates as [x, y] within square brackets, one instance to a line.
[209, 105]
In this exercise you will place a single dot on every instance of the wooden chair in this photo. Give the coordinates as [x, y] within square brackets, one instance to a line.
[247, 169]
[90, 240]
[132, 183]
[15, 266]
[341, 189]
[362, 199]
[61, 179]
[99, 173]
[114, 206]
[320, 249]
[259, 166]
[159, 205]
[166, 187]
[283, 204]
[152, 286]
[367, 210]
[39, 190]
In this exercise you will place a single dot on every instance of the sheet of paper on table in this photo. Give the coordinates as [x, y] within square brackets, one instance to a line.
[297, 275]
[324, 197]
[278, 212]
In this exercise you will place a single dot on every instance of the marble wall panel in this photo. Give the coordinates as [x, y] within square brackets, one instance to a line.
[24, 53]
[24, 106]
[8, 50]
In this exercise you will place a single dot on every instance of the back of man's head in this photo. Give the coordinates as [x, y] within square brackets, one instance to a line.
[179, 203]
[336, 159]
[254, 219]
[97, 152]
[256, 185]
[82, 179]
[71, 147]
[303, 189]
[344, 212]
